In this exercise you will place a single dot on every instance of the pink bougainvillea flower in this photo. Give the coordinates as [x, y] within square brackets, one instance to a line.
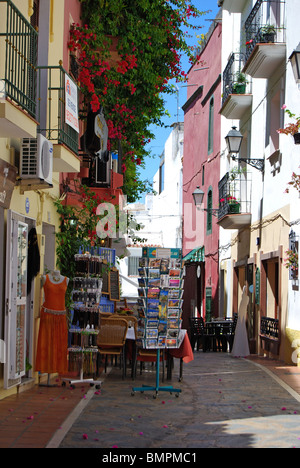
[85, 436]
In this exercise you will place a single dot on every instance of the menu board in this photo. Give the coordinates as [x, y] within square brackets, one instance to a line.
[114, 285]
[105, 276]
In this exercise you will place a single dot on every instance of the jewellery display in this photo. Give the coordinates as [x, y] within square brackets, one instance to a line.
[84, 357]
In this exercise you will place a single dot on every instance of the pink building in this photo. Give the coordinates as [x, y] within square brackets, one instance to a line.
[201, 168]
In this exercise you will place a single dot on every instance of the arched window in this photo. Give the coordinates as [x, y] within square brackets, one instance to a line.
[211, 126]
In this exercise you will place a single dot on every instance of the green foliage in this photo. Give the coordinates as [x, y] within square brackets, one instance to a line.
[151, 41]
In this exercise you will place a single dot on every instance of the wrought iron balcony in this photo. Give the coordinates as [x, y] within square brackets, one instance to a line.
[235, 200]
[237, 88]
[265, 34]
[18, 42]
[52, 108]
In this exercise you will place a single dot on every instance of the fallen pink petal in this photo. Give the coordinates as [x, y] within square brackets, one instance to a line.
[85, 436]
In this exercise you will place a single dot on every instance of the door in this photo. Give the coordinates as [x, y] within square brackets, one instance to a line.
[16, 299]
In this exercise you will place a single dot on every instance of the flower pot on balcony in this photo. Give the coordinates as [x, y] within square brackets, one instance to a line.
[234, 208]
[239, 88]
[297, 138]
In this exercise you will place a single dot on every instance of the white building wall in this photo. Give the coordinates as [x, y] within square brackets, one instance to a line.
[160, 215]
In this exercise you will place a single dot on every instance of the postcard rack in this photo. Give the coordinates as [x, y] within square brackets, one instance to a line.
[159, 305]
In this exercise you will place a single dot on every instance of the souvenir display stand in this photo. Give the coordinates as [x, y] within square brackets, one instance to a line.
[160, 306]
[87, 304]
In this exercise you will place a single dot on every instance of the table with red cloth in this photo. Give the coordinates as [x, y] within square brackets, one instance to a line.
[184, 353]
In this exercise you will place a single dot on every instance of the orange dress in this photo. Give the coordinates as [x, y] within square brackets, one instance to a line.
[53, 332]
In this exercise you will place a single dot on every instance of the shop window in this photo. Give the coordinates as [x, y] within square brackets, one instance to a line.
[209, 212]
[208, 304]
[133, 266]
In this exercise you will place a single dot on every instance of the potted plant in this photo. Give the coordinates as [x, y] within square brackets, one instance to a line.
[293, 127]
[239, 86]
[291, 262]
[267, 33]
[233, 204]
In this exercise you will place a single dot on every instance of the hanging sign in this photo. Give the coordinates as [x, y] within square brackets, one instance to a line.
[71, 103]
[8, 174]
[257, 286]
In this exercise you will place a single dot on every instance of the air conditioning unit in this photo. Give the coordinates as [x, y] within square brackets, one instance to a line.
[103, 170]
[37, 159]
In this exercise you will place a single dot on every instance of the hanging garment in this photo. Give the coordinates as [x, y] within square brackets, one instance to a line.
[33, 258]
[53, 333]
[240, 344]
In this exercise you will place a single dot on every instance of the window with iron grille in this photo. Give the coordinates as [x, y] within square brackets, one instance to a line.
[133, 266]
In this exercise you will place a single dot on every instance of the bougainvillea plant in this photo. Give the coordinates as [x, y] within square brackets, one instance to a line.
[293, 127]
[151, 40]
[78, 225]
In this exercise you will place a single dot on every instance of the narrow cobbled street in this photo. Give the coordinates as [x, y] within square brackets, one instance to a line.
[225, 402]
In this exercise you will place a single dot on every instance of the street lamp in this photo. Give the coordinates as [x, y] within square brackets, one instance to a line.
[234, 141]
[198, 195]
[295, 61]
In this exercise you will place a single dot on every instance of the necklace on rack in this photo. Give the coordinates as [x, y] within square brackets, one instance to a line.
[55, 278]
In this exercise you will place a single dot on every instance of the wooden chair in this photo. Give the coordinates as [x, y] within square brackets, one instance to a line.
[111, 339]
[130, 344]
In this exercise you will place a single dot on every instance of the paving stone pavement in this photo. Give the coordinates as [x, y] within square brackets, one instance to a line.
[225, 402]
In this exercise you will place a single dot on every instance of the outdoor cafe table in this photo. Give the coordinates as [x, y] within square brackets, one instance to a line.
[219, 331]
[184, 353]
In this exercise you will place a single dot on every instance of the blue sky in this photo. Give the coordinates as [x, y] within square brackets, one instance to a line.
[156, 145]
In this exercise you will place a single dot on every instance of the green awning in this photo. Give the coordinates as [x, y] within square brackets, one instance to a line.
[195, 255]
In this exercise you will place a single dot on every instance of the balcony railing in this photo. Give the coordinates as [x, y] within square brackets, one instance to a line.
[234, 81]
[52, 108]
[235, 194]
[19, 42]
[265, 24]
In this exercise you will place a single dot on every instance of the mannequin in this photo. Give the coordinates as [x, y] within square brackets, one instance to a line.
[55, 277]
[53, 332]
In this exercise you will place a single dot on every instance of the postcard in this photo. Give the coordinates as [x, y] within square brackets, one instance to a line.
[154, 263]
[162, 327]
[161, 342]
[173, 333]
[143, 262]
[154, 282]
[151, 333]
[152, 313]
[154, 273]
[164, 281]
[175, 273]
[164, 266]
[152, 303]
[152, 323]
[153, 293]
[171, 343]
[174, 283]
[174, 313]
[151, 343]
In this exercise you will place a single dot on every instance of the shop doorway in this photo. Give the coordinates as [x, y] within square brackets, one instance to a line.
[18, 324]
